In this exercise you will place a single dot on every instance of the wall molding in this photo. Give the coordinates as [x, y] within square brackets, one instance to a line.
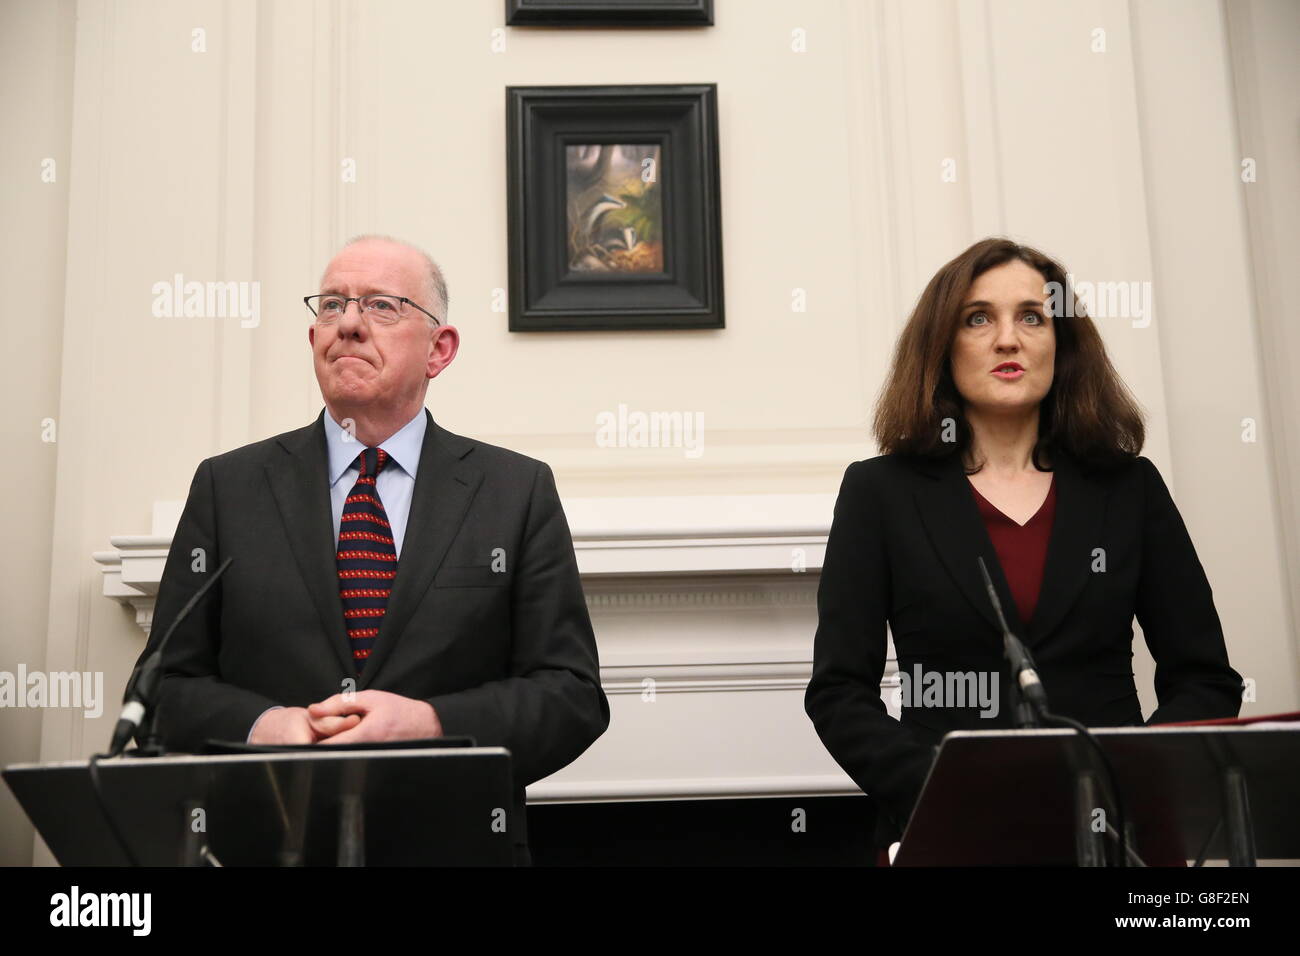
[634, 554]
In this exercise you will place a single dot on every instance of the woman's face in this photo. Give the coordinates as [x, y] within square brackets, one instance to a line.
[1004, 323]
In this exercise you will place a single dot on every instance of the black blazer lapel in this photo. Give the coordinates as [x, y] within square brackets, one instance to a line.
[1076, 531]
[300, 483]
[952, 520]
[444, 487]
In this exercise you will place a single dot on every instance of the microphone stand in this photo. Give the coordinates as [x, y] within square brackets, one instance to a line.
[1029, 700]
[1029, 707]
[138, 715]
[146, 679]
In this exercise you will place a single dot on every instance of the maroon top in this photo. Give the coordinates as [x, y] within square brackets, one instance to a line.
[1022, 549]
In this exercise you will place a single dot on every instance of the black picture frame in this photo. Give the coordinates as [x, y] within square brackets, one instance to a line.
[609, 13]
[544, 294]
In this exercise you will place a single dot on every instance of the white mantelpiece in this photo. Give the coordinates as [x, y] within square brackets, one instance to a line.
[134, 567]
[631, 538]
[704, 610]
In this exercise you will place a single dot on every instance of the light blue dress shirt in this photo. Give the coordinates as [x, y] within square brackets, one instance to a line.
[396, 482]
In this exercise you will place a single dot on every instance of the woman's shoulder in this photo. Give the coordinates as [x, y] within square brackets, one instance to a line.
[894, 470]
[1134, 479]
[1135, 471]
[1129, 470]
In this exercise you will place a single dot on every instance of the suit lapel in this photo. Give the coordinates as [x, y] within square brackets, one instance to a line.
[957, 530]
[1076, 530]
[300, 484]
[444, 487]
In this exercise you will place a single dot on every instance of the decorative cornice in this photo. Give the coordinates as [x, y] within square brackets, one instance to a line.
[132, 572]
[636, 554]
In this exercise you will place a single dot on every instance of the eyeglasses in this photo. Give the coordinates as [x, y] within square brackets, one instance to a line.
[382, 308]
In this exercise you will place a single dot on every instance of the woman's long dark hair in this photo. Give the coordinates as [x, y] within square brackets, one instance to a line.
[1088, 412]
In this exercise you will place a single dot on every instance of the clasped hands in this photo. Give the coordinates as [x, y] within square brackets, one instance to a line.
[355, 717]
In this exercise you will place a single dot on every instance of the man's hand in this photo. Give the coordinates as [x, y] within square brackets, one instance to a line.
[383, 716]
[293, 725]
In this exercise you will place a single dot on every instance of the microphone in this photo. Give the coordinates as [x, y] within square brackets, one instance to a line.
[1032, 706]
[146, 678]
[1031, 711]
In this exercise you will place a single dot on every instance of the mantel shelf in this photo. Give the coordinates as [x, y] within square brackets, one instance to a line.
[622, 540]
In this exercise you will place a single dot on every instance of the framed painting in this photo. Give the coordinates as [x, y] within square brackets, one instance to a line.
[609, 13]
[613, 207]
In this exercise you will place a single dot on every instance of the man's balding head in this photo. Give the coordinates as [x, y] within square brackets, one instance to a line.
[433, 295]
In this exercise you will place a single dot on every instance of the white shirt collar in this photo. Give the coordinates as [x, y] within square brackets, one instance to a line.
[403, 446]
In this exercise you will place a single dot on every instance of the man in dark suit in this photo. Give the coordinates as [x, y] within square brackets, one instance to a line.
[391, 580]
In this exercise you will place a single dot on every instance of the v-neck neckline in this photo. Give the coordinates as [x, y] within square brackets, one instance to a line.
[1028, 521]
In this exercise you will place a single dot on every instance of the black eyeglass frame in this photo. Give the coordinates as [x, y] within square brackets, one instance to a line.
[357, 299]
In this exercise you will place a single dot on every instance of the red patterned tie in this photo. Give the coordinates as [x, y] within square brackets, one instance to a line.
[367, 558]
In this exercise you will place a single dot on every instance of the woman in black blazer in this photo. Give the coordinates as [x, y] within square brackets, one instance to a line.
[1006, 434]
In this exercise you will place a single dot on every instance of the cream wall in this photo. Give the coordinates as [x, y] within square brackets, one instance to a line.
[36, 60]
[225, 165]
